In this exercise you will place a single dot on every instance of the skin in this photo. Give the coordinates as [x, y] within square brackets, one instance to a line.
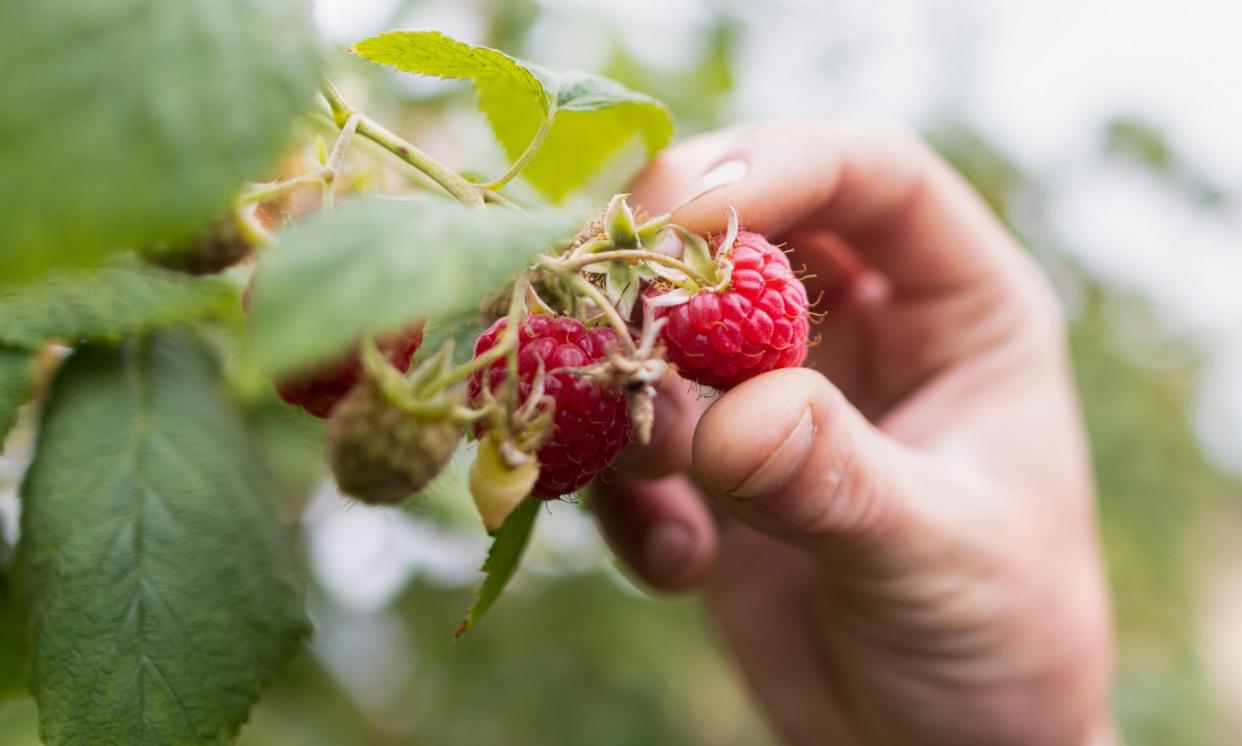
[898, 542]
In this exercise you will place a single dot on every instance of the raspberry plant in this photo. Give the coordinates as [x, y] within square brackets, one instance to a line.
[153, 590]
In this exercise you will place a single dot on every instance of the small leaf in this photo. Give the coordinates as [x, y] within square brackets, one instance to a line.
[130, 121]
[103, 304]
[697, 253]
[502, 560]
[17, 376]
[161, 586]
[375, 264]
[668, 300]
[592, 117]
[621, 287]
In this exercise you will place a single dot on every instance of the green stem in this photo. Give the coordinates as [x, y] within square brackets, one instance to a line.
[510, 338]
[496, 198]
[251, 228]
[577, 262]
[415, 176]
[464, 370]
[462, 190]
[586, 288]
[334, 161]
[342, 142]
[591, 247]
[263, 192]
[649, 229]
[328, 201]
[544, 127]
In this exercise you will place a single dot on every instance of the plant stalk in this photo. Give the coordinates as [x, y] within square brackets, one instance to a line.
[499, 182]
[463, 191]
[576, 263]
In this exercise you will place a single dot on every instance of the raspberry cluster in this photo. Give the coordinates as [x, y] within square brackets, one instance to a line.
[760, 322]
[585, 377]
[590, 424]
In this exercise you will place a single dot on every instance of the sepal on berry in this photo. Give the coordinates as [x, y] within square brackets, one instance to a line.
[500, 478]
[619, 224]
[621, 286]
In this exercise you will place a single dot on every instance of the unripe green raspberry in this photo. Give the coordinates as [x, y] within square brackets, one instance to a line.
[215, 250]
[382, 453]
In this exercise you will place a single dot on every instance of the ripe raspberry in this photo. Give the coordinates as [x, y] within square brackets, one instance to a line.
[760, 323]
[381, 453]
[590, 425]
[318, 391]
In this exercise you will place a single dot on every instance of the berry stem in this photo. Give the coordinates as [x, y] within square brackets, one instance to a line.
[333, 163]
[499, 182]
[584, 287]
[509, 340]
[342, 142]
[463, 191]
[577, 262]
[649, 229]
[496, 198]
[250, 227]
[414, 175]
[263, 192]
[464, 370]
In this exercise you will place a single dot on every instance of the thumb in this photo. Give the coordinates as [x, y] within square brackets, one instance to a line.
[786, 453]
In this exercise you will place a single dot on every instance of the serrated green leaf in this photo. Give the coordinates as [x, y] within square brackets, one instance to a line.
[160, 583]
[503, 558]
[129, 121]
[433, 53]
[595, 117]
[373, 265]
[592, 117]
[14, 632]
[17, 375]
[104, 303]
[13, 644]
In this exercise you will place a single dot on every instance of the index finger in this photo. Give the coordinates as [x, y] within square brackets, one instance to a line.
[905, 212]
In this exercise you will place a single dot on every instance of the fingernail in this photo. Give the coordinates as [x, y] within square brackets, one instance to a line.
[782, 464]
[726, 172]
[670, 244]
[666, 549]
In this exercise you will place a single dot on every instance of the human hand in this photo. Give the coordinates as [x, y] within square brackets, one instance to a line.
[899, 543]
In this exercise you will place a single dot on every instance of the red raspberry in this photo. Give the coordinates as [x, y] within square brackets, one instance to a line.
[318, 391]
[591, 424]
[760, 323]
